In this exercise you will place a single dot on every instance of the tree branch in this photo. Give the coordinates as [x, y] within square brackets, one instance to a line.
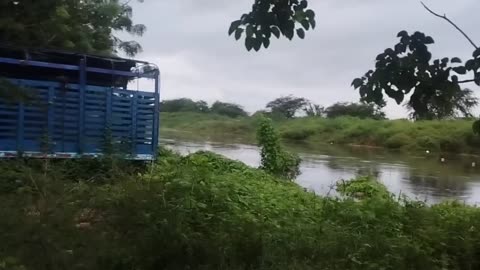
[466, 81]
[452, 23]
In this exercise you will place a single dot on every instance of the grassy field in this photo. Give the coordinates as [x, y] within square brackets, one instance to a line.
[436, 136]
[203, 211]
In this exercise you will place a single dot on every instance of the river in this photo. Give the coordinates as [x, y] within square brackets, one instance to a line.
[422, 177]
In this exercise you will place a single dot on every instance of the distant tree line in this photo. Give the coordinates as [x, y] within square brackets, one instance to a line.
[187, 105]
[290, 106]
[286, 107]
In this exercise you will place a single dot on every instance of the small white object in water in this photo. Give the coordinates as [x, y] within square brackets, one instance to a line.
[442, 159]
[474, 164]
[428, 151]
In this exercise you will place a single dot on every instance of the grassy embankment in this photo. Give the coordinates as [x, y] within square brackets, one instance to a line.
[447, 136]
[206, 212]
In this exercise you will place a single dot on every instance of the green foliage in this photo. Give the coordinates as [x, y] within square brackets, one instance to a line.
[408, 69]
[183, 105]
[312, 110]
[298, 134]
[10, 264]
[84, 26]
[362, 187]
[275, 160]
[273, 17]
[397, 141]
[287, 106]
[214, 213]
[360, 110]
[228, 109]
[439, 135]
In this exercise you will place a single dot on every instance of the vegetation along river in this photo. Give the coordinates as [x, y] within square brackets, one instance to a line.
[423, 177]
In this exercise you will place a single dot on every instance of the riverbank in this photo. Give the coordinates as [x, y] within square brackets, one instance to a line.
[452, 136]
[203, 211]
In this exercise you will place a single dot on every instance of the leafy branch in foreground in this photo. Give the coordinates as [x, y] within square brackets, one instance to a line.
[87, 26]
[434, 86]
[273, 17]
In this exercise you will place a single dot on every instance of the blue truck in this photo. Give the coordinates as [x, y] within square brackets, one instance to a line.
[57, 104]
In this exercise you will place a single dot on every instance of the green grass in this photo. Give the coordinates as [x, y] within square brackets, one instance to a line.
[436, 136]
[211, 125]
[203, 211]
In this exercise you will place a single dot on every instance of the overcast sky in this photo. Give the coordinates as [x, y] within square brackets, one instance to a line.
[188, 40]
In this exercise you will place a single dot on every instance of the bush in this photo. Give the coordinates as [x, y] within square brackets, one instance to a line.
[275, 159]
[203, 211]
[397, 141]
[299, 134]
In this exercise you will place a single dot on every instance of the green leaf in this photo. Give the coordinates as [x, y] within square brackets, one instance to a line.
[357, 82]
[275, 31]
[429, 40]
[402, 34]
[305, 24]
[456, 60]
[363, 91]
[455, 79]
[288, 33]
[266, 43]
[301, 33]
[238, 33]
[310, 14]
[249, 42]
[234, 26]
[476, 53]
[249, 31]
[470, 64]
[303, 4]
[460, 70]
[257, 44]
[313, 23]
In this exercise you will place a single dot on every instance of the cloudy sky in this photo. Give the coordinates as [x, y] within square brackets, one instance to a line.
[188, 40]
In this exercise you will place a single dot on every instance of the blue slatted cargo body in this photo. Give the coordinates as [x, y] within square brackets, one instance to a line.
[76, 116]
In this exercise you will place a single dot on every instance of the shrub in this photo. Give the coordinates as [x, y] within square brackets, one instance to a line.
[397, 141]
[298, 134]
[275, 159]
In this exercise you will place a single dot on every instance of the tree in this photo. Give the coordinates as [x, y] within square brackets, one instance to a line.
[183, 105]
[88, 26]
[360, 110]
[287, 106]
[433, 85]
[228, 109]
[460, 105]
[313, 110]
[84, 26]
[273, 17]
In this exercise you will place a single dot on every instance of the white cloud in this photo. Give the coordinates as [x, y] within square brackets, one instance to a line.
[188, 40]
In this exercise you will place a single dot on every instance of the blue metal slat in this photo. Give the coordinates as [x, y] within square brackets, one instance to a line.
[134, 120]
[20, 132]
[156, 119]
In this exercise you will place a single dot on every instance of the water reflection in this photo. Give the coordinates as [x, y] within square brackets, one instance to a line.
[420, 177]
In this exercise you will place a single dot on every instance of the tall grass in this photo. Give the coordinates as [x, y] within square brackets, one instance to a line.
[203, 211]
[436, 136]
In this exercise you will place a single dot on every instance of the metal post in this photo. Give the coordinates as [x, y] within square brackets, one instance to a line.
[133, 138]
[156, 114]
[50, 119]
[20, 127]
[81, 105]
